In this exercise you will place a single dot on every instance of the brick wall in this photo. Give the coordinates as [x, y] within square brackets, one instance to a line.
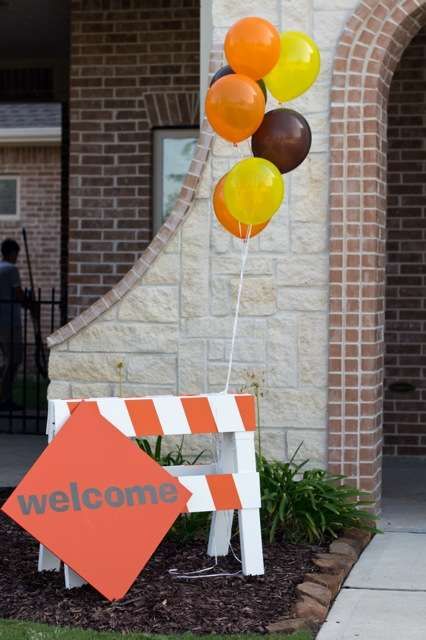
[405, 336]
[133, 66]
[39, 170]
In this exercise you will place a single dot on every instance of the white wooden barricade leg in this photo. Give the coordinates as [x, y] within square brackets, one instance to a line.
[238, 456]
[47, 561]
[221, 525]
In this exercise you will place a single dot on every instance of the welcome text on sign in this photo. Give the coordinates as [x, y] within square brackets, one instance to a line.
[93, 498]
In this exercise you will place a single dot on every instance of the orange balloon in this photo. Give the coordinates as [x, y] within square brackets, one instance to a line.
[235, 107]
[252, 47]
[231, 224]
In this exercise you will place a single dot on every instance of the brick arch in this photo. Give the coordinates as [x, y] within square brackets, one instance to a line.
[171, 109]
[369, 50]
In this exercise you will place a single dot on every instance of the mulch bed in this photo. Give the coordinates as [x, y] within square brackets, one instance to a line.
[156, 603]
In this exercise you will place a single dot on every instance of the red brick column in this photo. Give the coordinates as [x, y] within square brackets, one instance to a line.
[370, 47]
[134, 65]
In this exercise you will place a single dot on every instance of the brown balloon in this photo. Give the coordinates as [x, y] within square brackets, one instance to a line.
[284, 138]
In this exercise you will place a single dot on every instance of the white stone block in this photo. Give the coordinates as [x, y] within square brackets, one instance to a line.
[315, 100]
[91, 389]
[334, 5]
[90, 367]
[134, 390]
[258, 296]
[294, 407]
[282, 365]
[296, 15]
[58, 390]
[309, 190]
[272, 443]
[205, 185]
[150, 369]
[126, 337]
[226, 12]
[231, 265]
[150, 304]
[216, 349]
[217, 374]
[192, 366]
[247, 350]
[302, 299]
[275, 237]
[220, 297]
[328, 26]
[195, 262]
[221, 240]
[313, 350]
[313, 446]
[165, 270]
[303, 270]
[309, 237]
[173, 246]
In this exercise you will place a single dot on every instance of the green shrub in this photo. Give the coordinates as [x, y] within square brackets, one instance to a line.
[173, 458]
[298, 506]
[308, 506]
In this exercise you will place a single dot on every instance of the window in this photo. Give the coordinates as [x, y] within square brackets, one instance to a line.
[173, 151]
[9, 196]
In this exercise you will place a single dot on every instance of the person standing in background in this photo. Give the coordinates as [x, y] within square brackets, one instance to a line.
[11, 346]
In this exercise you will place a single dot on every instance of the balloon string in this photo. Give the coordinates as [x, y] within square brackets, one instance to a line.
[244, 254]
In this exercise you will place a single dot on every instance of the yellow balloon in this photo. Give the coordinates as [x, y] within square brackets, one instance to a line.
[297, 68]
[253, 190]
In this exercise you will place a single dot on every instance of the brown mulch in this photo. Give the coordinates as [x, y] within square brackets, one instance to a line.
[156, 603]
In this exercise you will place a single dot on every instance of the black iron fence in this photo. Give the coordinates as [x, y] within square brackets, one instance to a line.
[24, 325]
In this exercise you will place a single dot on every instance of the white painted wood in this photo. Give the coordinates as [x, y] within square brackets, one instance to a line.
[47, 561]
[248, 488]
[226, 413]
[221, 524]
[115, 411]
[171, 415]
[220, 533]
[251, 542]
[201, 499]
[192, 470]
[72, 579]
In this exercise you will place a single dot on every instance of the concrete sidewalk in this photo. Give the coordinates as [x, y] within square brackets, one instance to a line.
[17, 454]
[384, 596]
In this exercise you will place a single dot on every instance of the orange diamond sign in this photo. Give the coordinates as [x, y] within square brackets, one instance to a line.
[97, 502]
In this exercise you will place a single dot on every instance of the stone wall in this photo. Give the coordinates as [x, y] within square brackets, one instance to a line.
[172, 329]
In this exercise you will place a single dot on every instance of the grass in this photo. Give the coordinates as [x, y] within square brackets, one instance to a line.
[14, 630]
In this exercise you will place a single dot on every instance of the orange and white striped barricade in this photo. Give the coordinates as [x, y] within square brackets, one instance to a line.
[232, 483]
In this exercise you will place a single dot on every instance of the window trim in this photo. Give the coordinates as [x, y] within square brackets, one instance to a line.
[159, 134]
[17, 215]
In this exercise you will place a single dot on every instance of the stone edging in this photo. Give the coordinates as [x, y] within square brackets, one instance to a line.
[316, 594]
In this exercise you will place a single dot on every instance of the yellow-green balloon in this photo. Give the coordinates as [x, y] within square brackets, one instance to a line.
[297, 68]
[253, 190]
